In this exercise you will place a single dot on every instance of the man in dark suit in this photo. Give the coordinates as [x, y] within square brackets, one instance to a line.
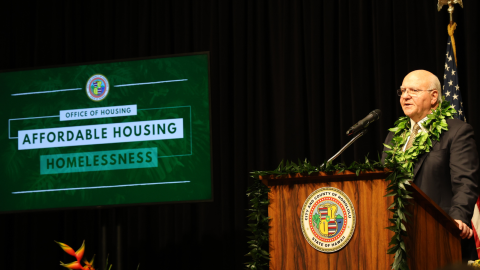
[449, 173]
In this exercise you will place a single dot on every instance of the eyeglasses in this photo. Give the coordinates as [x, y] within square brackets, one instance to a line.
[411, 92]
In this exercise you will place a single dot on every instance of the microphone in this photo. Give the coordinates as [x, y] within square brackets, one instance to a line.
[371, 117]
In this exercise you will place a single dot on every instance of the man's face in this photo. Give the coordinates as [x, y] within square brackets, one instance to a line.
[417, 107]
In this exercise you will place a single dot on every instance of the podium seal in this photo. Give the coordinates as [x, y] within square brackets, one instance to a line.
[328, 219]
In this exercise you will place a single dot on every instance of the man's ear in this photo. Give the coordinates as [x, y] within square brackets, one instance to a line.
[434, 97]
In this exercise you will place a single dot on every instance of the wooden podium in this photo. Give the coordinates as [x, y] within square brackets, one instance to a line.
[433, 240]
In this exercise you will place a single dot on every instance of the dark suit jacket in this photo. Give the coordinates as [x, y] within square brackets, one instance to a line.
[449, 173]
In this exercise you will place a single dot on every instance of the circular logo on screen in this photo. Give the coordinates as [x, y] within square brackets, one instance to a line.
[328, 219]
[97, 87]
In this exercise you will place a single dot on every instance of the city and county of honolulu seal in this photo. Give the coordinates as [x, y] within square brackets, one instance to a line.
[328, 219]
[97, 87]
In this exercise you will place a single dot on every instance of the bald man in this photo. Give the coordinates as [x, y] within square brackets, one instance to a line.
[449, 173]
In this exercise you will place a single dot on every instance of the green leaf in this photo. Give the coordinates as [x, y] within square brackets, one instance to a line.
[391, 176]
[279, 168]
[392, 228]
[407, 182]
[394, 241]
[393, 249]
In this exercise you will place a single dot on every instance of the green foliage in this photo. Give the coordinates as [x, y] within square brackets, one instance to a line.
[401, 164]
[110, 267]
[106, 264]
[306, 168]
[258, 225]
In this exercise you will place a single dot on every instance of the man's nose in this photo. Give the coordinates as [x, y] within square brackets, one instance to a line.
[406, 95]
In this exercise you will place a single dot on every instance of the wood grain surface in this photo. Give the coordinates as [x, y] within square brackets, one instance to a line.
[367, 248]
[434, 239]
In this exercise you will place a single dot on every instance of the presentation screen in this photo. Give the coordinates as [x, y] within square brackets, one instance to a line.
[103, 134]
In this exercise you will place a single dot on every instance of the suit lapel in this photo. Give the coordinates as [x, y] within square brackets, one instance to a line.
[419, 163]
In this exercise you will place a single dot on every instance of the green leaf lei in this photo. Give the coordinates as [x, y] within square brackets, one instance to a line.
[258, 226]
[401, 164]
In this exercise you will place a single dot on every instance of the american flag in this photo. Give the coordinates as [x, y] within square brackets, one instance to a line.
[451, 89]
[476, 226]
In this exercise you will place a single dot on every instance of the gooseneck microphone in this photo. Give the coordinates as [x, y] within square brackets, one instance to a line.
[371, 117]
[360, 126]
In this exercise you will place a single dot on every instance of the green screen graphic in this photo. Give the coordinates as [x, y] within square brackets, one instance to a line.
[105, 134]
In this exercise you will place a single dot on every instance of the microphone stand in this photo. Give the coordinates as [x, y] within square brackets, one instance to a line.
[360, 134]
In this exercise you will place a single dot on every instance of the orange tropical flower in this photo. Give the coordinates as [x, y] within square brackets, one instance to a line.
[78, 255]
[66, 248]
[72, 265]
[80, 251]
[89, 264]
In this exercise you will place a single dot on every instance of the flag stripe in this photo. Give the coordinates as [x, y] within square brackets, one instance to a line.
[476, 225]
[475, 235]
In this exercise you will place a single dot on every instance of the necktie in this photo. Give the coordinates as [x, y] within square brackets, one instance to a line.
[414, 133]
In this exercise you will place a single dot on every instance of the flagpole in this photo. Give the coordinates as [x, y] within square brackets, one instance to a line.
[450, 10]
[452, 26]
[450, 4]
[450, 80]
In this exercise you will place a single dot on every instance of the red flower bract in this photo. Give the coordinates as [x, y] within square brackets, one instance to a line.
[78, 255]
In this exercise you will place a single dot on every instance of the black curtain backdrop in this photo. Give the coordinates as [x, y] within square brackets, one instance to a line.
[288, 78]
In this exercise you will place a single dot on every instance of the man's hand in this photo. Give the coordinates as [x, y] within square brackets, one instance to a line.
[466, 232]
